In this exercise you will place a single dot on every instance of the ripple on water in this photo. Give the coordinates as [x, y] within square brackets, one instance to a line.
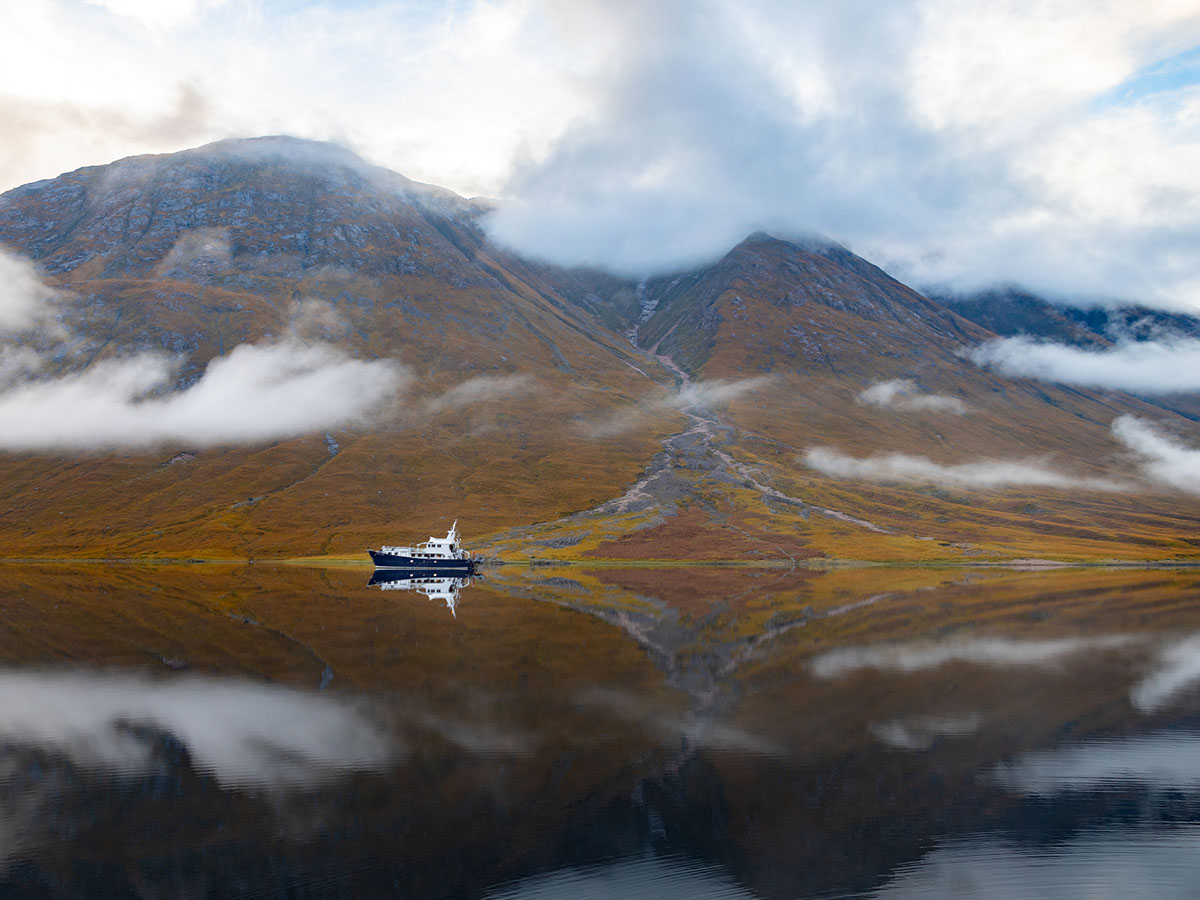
[1122, 864]
[640, 878]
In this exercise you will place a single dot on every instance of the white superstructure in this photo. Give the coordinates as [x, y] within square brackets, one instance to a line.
[434, 548]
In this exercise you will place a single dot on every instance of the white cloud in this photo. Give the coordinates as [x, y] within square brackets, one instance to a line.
[718, 392]
[244, 734]
[255, 393]
[481, 390]
[25, 300]
[1162, 458]
[698, 395]
[988, 474]
[1141, 367]
[959, 141]
[903, 394]
[915, 657]
[970, 144]
[157, 13]
[258, 392]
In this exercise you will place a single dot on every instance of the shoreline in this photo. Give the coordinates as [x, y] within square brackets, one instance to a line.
[337, 562]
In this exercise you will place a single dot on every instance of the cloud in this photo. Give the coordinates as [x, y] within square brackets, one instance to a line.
[199, 251]
[258, 392]
[951, 163]
[697, 395]
[1141, 367]
[483, 389]
[243, 734]
[986, 474]
[1163, 459]
[916, 657]
[903, 394]
[255, 393]
[1161, 761]
[957, 141]
[160, 14]
[718, 392]
[26, 302]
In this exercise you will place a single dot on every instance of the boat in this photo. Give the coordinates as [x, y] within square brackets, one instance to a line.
[438, 554]
[436, 587]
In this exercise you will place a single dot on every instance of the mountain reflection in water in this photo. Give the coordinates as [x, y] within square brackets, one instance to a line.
[239, 731]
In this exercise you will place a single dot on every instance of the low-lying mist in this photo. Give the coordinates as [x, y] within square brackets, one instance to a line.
[299, 383]
[1166, 366]
[985, 474]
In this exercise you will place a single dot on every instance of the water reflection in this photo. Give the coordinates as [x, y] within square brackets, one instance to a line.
[445, 589]
[1163, 761]
[634, 879]
[995, 651]
[1176, 670]
[243, 734]
[1121, 863]
[920, 732]
[640, 732]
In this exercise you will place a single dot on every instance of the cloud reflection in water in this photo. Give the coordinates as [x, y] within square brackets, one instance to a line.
[632, 879]
[917, 656]
[1122, 863]
[1178, 668]
[244, 734]
[1165, 761]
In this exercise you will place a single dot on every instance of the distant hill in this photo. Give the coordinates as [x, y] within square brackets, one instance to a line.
[1012, 311]
[553, 412]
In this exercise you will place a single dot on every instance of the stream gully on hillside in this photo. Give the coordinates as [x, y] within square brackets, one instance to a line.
[259, 731]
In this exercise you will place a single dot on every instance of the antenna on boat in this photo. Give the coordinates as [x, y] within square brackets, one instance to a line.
[453, 535]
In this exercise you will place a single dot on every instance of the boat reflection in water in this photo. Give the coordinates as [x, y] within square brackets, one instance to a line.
[435, 587]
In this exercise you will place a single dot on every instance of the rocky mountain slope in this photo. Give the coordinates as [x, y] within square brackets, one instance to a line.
[245, 242]
[562, 412]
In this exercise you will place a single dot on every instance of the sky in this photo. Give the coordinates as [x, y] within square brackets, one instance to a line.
[958, 143]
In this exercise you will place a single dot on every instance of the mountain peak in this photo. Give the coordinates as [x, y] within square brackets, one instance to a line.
[279, 147]
[276, 203]
[808, 243]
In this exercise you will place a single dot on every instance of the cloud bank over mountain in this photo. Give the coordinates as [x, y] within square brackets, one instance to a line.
[255, 393]
[1163, 458]
[987, 474]
[1165, 366]
[958, 143]
[258, 392]
[904, 395]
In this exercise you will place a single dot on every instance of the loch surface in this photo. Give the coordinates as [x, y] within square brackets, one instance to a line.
[275, 731]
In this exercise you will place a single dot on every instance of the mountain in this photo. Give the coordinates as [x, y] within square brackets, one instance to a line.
[1012, 311]
[719, 413]
[857, 377]
[195, 253]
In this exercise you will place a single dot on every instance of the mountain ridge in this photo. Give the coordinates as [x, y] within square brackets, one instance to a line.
[537, 394]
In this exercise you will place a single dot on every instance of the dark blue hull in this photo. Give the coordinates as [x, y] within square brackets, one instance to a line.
[422, 564]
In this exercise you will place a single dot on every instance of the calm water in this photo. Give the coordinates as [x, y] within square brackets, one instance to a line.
[285, 732]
